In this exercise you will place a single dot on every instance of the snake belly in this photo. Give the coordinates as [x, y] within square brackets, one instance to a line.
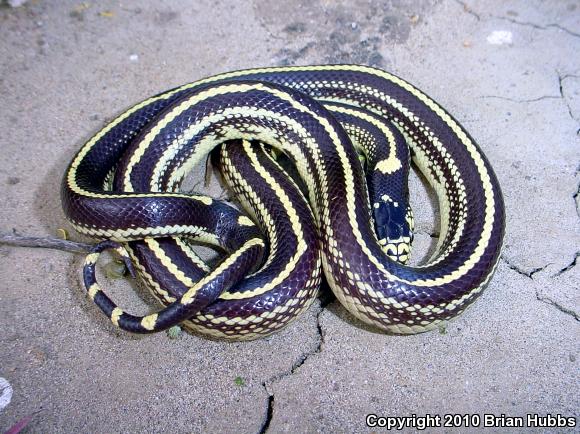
[278, 106]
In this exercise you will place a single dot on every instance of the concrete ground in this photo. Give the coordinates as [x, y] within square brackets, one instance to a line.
[508, 70]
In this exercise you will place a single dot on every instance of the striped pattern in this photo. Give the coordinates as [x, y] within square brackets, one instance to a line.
[281, 107]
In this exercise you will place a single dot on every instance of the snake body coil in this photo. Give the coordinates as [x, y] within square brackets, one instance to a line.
[123, 186]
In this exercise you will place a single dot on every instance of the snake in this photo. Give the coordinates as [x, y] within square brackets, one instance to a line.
[123, 186]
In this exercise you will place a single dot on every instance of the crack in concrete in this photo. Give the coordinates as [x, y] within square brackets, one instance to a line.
[576, 197]
[537, 26]
[477, 16]
[528, 274]
[430, 234]
[468, 10]
[563, 309]
[569, 266]
[545, 298]
[562, 96]
[269, 412]
[561, 79]
[317, 348]
[505, 98]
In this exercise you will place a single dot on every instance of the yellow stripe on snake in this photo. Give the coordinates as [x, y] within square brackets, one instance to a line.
[123, 187]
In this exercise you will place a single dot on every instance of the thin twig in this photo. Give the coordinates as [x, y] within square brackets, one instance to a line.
[44, 242]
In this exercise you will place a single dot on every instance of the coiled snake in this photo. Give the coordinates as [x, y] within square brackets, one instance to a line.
[123, 186]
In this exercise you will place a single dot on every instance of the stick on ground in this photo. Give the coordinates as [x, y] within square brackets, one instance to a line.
[44, 242]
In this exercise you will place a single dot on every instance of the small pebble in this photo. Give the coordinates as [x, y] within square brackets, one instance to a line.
[16, 3]
[174, 332]
[115, 269]
[500, 37]
[5, 393]
[134, 57]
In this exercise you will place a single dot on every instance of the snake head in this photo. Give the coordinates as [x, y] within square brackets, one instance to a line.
[394, 228]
